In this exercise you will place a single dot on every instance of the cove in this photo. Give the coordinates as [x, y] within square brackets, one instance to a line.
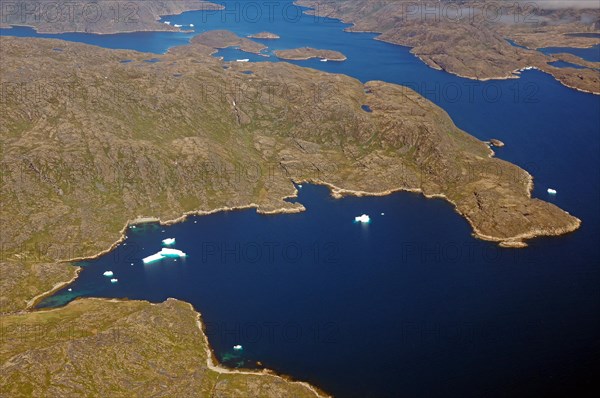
[362, 310]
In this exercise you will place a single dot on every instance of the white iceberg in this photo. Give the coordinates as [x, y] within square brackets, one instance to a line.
[152, 258]
[237, 347]
[363, 219]
[243, 60]
[168, 241]
[552, 191]
[165, 252]
[108, 273]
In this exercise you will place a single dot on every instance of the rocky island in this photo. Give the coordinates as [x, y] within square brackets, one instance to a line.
[264, 35]
[85, 158]
[305, 53]
[223, 38]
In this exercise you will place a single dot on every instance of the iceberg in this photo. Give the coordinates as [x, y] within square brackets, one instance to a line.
[165, 252]
[552, 191]
[168, 241]
[114, 280]
[363, 219]
[237, 347]
[108, 273]
[152, 258]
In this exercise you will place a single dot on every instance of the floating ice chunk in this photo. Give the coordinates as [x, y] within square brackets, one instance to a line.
[108, 273]
[167, 23]
[165, 252]
[243, 60]
[237, 347]
[168, 241]
[363, 219]
[152, 258]
[114, 280]
[552, 191]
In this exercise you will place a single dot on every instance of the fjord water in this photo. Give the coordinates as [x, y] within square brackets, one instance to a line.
[410, 304]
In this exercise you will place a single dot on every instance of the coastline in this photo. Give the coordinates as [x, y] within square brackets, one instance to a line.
[208, 6]
[515, 241]
[213, 363]
[512, 75]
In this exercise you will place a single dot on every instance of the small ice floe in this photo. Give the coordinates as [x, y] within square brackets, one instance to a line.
[177, 25]
[363, 219]
[114, 280]
[237, 347]
[552, 191]
[243, 60]
[108, 273]
[168, 241]
[167, 22]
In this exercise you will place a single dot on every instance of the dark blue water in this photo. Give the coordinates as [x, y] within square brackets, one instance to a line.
[564, 64]
[410, 304]
[589, 54]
